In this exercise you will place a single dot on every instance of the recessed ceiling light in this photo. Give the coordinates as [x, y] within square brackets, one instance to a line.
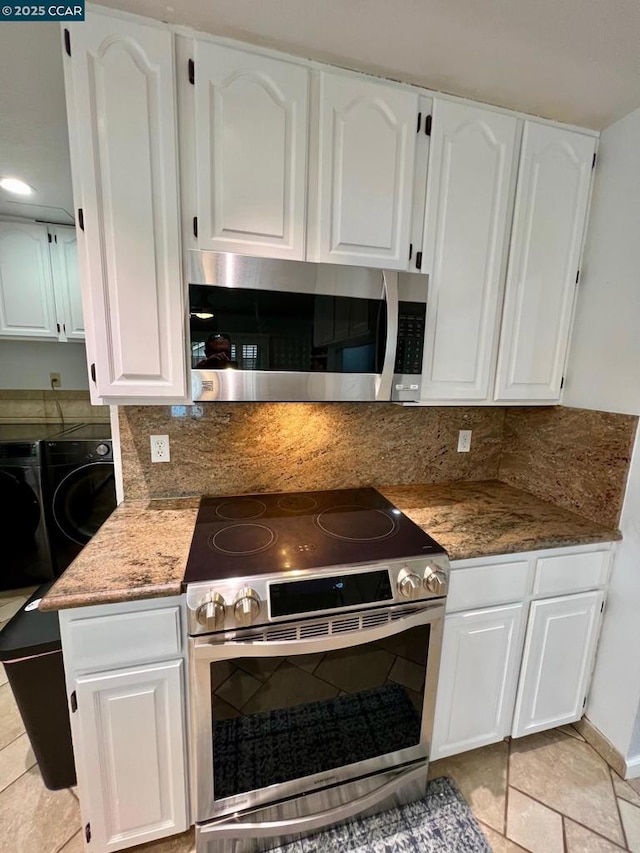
[15, 185]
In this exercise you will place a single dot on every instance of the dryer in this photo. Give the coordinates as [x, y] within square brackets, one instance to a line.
[25, 556]
[80, 488]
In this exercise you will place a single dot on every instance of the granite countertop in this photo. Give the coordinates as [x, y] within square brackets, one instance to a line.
[141, 550]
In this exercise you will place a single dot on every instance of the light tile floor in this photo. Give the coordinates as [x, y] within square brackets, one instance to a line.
[547, 793]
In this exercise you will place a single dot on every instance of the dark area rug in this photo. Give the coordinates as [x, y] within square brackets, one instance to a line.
[442, 822]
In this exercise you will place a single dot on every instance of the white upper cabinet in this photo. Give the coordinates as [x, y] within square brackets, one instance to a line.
[66, 282]
[546, 244]
[27, 308]
[471, 173]
[362, 172]
[120, 87]
[251, 119]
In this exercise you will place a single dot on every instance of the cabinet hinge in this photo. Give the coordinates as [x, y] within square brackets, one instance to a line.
[419, 122]
[195, 226]
[427, 125]
[192, 72]
[73, 701]
[67, 42]
[595, 157]
[410, 250]
[418, 260]
[578, 276]
[87, 832]
[93, 372]
[81, 218]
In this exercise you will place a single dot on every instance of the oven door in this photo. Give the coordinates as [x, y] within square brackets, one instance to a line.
[296, 707]
[274, 330]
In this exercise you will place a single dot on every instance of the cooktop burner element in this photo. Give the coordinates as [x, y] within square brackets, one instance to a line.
[253, 535]
[242, 540]
[237, 508]
[357, 524]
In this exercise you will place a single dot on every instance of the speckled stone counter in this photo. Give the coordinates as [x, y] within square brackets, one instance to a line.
[141, 550]
[489, 517]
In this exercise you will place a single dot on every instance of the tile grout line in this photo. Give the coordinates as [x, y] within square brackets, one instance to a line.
[564, 834]
[562, 814]
[71, 837]
[615, 797]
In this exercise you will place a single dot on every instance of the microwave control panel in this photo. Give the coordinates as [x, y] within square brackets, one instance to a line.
[411, 321]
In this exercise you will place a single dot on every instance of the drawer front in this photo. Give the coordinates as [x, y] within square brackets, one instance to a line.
[100, 642]
[484, 586]
[571, 573]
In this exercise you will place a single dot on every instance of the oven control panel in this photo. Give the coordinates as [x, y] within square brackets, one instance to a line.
[239, 603]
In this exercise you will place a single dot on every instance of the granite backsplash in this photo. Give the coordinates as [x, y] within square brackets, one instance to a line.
[576, 458]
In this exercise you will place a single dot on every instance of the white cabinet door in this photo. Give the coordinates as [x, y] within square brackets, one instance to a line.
[251, 152]
[122, 113]
[361, 183]
[471, 174]
[478, 678]
[546, 243]
[27, 307]
[130, 746]
[558, 657]
[66, 282]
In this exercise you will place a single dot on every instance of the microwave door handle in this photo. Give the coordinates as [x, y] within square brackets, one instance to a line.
[384, 381]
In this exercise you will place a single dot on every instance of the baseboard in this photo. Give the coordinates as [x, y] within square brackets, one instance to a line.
[604, 747]
[633, 768]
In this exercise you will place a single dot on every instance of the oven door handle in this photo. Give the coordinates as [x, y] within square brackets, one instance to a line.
[384, 381]
[219, 649]
[305, 823]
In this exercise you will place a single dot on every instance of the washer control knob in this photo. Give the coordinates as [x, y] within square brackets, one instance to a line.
[435, 580]
[409, 585]
[102, 449]
[246, 607]
[211, 613]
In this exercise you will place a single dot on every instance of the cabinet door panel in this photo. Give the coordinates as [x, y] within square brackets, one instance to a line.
[131, 752]
[466, 232]
[364, 170]
[122, 111]
[251, 150]
[556, 666]
[66, 282]
[26, 290]
[546, 243]
[478, 678]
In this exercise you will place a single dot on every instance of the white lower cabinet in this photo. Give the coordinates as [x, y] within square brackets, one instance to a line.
[523, 666]
[128, 720]
[557, 661]
[478, 678]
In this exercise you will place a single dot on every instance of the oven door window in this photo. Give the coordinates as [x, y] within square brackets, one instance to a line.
[279, 719]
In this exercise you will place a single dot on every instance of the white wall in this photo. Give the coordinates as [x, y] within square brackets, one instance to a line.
[603, 372]
[26, 365]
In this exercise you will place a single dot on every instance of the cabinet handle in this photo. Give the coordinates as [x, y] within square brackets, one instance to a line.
[195, 226]
[410, 250]
[73, 701]
[67, 42]
[418, 260]
[192, 72]
[64, 328]
[419, 122]
[427, 126]
[81, 218]
[58, 325]
[93, 372]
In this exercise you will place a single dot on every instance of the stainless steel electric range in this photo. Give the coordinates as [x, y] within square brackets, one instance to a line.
[315, 622]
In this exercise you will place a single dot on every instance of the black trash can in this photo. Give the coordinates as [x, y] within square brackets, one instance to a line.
[31, 651]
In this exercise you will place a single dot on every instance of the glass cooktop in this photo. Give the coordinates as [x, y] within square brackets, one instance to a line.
[263, 534]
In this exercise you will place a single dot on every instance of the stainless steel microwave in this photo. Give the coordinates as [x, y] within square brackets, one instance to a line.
[274, 330]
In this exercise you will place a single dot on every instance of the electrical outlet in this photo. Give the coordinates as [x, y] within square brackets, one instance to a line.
[160, 448]
[464, 441]
[54, 380]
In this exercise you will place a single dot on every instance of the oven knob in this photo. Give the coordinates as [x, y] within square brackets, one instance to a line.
[102, 449]
[211, 613]
[409, 585]
[246, 607]
[435, 581]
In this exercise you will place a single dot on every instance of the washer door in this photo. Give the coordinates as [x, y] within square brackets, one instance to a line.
[84, 500]
[20, 514]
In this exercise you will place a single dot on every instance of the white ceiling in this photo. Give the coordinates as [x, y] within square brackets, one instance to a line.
[572, 60]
